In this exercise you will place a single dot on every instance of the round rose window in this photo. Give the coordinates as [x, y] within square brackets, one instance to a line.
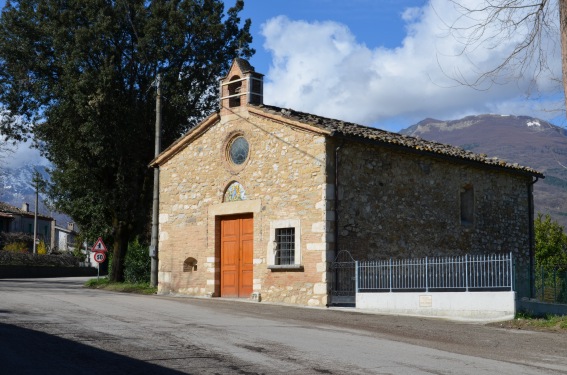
[238, 150]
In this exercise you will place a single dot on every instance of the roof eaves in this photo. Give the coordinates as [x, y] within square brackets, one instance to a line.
[429, 149]
[347, 129]
[5, 207]
[185, 139]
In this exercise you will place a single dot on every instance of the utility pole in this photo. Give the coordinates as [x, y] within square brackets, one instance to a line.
[36, 180]
[155, 206]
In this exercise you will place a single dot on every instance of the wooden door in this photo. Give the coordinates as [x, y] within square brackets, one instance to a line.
[237, 238]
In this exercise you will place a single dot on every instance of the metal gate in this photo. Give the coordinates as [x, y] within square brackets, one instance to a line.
[343, 270]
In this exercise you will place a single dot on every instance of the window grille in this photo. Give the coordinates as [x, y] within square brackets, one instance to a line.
[285, 246]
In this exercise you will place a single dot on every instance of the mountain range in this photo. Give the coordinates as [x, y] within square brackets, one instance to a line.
[17, 188]
[524, 140]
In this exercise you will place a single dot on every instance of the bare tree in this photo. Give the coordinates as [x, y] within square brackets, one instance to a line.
[534, 24]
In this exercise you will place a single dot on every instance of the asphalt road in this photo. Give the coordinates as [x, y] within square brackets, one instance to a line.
[54, 326]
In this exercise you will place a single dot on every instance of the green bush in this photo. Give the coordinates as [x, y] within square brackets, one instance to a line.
[137, 264]
[550, 244]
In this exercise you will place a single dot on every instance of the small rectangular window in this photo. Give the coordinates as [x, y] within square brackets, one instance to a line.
[285, 246]
[467, 205]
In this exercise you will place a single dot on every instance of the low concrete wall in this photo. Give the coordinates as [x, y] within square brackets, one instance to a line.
[453, 305]
[31, 272]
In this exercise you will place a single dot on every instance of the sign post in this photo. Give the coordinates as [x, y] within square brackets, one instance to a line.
[99, 250]
[99, 257]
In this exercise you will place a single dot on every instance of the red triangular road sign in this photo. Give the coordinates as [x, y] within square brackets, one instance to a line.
[99, 246]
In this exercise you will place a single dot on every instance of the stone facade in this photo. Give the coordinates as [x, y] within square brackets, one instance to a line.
[395, 204]
[397, 196]
[283, 179]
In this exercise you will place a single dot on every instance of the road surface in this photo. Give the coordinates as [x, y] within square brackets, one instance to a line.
[54, 326]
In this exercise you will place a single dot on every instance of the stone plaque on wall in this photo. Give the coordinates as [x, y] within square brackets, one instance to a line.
[425, 301]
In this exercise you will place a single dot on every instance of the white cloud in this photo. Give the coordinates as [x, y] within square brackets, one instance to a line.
[320, 67]
[22, 154]
[19, 154]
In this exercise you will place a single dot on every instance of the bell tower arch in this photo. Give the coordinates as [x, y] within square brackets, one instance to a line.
[241, 86]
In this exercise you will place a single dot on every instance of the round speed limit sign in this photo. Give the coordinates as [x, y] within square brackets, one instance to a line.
[99, 257]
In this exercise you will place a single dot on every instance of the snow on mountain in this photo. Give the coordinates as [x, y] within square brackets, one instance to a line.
[533, 123]
[17, 187]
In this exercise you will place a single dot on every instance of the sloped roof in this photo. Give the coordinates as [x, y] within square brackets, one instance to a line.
[244, 66]
[8, 209]
[352, 130]
[338, 128]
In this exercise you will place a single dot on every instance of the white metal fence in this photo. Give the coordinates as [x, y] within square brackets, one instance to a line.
[466, 273]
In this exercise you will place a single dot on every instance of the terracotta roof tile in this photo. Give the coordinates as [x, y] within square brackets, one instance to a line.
[350, 129]
[244, 65]
[5, 207]
[9, 209]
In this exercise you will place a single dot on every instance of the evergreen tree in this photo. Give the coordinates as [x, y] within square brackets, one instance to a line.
[78, 75]
[550, 243]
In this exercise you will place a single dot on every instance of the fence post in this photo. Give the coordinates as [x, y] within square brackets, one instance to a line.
[511, 273]
[467, 272]
[555, 285]
[426, 277]
[542, 284]
[355, 278]
[390, 276]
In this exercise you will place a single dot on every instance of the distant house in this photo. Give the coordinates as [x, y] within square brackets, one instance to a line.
[258, 200]
[65, 237]
[21, 220]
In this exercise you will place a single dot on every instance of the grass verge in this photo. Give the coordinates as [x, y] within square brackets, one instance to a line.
[550, 323]
[104, 283]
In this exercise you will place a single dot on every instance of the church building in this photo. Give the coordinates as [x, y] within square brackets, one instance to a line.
[256, 201]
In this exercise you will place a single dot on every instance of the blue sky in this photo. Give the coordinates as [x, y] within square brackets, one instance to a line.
[387, 63]
[375, 22]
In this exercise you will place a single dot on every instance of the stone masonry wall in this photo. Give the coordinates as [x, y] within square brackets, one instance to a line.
[284, 179]
[400, 205]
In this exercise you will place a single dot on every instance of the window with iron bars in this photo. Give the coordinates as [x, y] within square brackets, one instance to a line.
[285, 246]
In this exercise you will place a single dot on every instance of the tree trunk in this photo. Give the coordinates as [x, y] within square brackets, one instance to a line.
[563, 28]
[120, 246]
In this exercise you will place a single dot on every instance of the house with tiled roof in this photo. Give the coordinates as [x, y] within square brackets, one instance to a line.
[258, 200]
[21, 220]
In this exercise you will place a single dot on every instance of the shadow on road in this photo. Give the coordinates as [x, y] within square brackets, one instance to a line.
[24, 351]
